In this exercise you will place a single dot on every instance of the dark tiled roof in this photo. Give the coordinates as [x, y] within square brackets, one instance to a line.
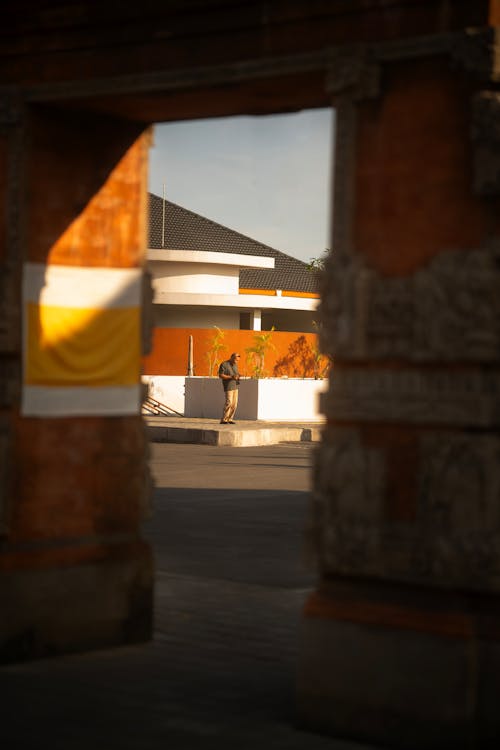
[186, 230]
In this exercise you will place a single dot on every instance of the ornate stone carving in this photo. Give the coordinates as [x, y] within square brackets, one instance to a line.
[459, 510]
[4, 486]
[454, 540]
[486, 139]
[390, 315]
[10, 381]
[345, 162]
[340, 310]
[347, 504]
[345, 66]
[447, 311]
[10, 311]
[147, 313]
[457, 307]
[477, 51]
[468, 398]
[148, 482]
[12, 127]
[347, 526]
[353, 72]
[411, 48]
[10, 106]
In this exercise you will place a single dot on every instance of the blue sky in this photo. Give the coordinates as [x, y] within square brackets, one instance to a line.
[266, 177]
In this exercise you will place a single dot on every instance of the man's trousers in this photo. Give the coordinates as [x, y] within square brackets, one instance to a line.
[230, 405]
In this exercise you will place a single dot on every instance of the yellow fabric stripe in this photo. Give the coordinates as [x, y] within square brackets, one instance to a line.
[81, 346]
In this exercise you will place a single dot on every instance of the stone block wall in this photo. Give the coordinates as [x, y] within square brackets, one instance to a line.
[74, 570]
[404, 519]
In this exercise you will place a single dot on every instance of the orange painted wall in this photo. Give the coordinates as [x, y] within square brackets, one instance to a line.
[292, 355]
[414, 170]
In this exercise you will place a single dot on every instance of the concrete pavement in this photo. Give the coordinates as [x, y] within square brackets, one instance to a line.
[245, 433]
[226, 529]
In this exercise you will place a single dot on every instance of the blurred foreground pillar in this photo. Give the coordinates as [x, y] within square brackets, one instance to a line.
[401, 640]
[74, 571]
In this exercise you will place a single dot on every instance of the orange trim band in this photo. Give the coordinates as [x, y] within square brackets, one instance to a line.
[284, 293]
[307, 295]
[265, 292]
[451, 624]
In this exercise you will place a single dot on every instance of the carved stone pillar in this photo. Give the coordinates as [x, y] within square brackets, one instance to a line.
[12, 145]
[74, 570]
[401, 640]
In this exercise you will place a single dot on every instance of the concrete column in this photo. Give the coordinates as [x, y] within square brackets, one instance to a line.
[400, 641]
[256, 320]
[74, 570]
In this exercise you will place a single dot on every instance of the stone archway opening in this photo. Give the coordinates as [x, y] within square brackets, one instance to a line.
[411, 317]
[230, 578]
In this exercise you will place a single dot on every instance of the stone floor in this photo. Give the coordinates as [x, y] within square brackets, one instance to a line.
[219, 673]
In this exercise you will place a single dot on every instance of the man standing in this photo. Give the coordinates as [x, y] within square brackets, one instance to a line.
[228, 373]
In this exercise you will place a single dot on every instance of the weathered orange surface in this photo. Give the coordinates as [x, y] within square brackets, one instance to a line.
[170, 351]
[86, 203]
[3, 195]
[414, 170]
[77, 477]
[57, 554]
[494, 16]
[392, 615]
[78, 482]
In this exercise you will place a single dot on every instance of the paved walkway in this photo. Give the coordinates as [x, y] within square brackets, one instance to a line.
[219, 673]
[245, 433]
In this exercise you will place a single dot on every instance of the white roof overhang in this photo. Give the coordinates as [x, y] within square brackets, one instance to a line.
[218, 259]
[243, 301]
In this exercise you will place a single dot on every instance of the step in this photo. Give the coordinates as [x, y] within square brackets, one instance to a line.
[246, 434]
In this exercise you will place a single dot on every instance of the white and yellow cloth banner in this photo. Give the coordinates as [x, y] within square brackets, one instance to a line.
[81, 340]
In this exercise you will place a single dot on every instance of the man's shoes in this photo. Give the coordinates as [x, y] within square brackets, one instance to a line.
[223, 422]
[231, 422]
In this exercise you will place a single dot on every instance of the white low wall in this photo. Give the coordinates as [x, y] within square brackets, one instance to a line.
[167, 389]
[273, 399]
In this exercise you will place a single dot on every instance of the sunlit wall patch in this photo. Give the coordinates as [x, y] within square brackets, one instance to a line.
[81, 340]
